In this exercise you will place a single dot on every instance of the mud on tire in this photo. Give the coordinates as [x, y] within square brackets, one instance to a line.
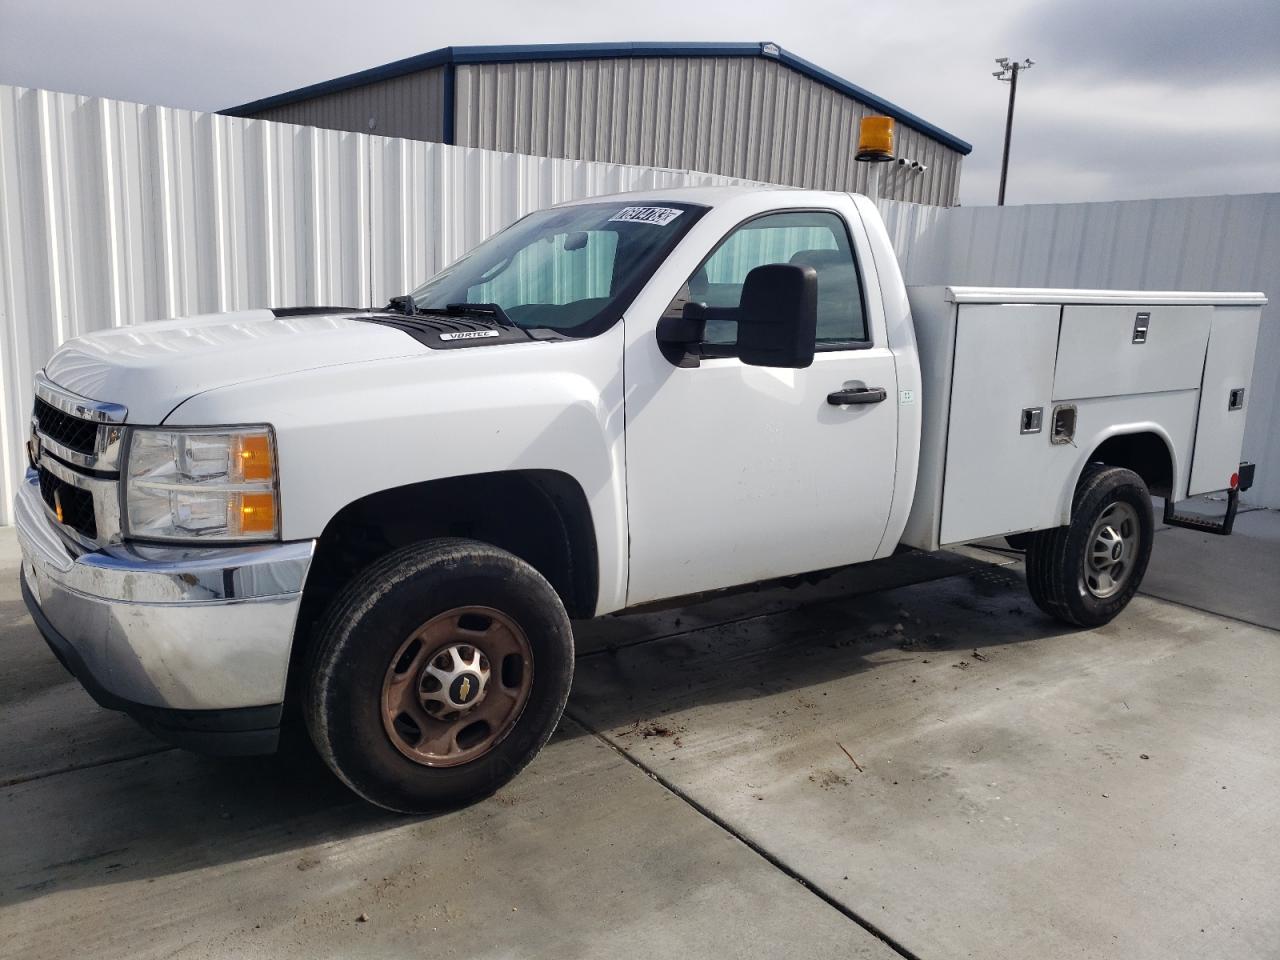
[366, 629]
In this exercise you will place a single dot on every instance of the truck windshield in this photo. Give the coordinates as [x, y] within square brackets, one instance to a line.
[570, 269]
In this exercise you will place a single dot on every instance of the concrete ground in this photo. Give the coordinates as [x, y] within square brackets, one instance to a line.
[905, 760]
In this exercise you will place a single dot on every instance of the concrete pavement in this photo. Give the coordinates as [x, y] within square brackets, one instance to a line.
[904, 760]
[1235, 576]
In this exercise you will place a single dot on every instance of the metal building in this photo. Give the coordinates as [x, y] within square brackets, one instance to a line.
[749, 110]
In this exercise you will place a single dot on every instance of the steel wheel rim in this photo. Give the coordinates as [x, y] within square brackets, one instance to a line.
[456, 686]
[1112, 550]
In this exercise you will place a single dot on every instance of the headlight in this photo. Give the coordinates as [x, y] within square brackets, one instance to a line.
[201, 484]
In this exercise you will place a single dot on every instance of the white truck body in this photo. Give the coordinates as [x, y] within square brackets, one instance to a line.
[988, 355]
[665, 477]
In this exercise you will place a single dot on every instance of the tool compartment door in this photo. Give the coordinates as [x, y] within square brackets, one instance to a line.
[997, 475]
[1228, 368]
[1121, 350]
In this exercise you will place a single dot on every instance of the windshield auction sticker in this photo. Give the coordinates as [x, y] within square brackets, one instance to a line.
[658, 216]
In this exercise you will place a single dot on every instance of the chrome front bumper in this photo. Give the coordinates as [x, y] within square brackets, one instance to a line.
[190, 641]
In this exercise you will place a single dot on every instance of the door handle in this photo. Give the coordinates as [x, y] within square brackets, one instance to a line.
[856, 395]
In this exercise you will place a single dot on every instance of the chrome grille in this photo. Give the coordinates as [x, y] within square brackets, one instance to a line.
[71, 505]
[62, 428]
[75, 450]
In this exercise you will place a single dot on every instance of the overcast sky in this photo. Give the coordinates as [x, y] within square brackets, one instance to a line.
[1128, 98]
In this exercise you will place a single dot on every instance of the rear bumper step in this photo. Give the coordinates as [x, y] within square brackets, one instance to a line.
[1204, 524]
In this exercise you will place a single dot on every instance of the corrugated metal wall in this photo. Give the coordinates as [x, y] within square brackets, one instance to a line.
[410, 106]
[740, 116]
[1197, 243]
[114, 213]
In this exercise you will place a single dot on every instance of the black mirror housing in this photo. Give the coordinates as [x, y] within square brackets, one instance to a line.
[778, 316]
[677, 334]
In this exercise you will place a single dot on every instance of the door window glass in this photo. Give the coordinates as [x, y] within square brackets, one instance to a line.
[817, 239]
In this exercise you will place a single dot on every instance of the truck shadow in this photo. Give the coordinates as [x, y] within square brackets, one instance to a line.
[169, 813]
[959, 620]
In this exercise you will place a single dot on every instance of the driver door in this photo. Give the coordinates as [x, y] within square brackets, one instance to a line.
[739, 473]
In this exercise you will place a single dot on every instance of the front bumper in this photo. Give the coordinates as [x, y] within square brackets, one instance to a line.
[193, 643]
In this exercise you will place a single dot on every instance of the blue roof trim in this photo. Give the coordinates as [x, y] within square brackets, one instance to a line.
[398, 68]
[601, 51]
[829, 79]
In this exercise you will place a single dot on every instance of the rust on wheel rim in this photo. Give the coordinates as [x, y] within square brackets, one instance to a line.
[457, 686]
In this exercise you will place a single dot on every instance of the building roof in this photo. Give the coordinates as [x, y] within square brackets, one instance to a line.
[600, 51]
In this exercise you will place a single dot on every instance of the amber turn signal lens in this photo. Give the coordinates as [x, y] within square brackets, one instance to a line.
[253, 456]
[257, 513]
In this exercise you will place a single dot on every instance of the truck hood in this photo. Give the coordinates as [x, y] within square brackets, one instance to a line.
[153, 367]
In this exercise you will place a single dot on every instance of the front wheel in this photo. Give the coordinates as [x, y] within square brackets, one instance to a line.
[1086, 573]
[438, 674]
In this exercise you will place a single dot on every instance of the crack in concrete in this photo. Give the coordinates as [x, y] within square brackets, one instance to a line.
[1207, 612]
[59, 771]
[776, 862]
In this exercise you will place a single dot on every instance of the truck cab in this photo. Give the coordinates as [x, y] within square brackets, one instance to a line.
[378, 523]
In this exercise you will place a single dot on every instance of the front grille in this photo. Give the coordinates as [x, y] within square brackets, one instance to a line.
[77, 505]
[72, 432]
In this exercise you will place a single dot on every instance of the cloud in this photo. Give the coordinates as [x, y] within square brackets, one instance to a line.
[1129, 98]
[1183, 42]
[1073, 159]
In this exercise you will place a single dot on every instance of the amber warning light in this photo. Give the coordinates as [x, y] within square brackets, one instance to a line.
[875, 139]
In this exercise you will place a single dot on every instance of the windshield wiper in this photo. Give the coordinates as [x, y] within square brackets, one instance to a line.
[487, 311]
[404, 304]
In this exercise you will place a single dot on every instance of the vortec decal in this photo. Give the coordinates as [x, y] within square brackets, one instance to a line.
[470, 335]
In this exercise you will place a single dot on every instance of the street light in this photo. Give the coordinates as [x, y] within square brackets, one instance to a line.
[1008, 72]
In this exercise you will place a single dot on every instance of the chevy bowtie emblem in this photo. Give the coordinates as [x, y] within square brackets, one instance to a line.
[464, 691]
[57, 505]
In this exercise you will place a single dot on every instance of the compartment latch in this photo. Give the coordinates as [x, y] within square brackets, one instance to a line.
[1141, 324]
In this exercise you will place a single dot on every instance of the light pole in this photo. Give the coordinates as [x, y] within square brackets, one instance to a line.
[1008, 72]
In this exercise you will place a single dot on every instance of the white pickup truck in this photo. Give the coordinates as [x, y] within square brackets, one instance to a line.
[382, 521]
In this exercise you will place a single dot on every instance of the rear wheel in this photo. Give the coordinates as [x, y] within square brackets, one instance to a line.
[1086, 573]
[438, 674]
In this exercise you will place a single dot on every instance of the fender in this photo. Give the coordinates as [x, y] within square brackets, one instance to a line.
[345, 432]
[1087, 450]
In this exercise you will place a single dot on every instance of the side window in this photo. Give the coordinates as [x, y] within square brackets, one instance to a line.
[814, 238]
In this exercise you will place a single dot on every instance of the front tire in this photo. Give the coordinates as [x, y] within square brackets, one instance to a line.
[1084, 574]
[438, 674]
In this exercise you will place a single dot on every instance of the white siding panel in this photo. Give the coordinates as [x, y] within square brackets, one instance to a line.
[114, 213]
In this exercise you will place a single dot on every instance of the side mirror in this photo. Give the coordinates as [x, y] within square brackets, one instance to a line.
[677, 334]
[778, 316]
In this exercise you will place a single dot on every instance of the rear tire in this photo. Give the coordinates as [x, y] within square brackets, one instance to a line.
[1084, 574]
[459, 611]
